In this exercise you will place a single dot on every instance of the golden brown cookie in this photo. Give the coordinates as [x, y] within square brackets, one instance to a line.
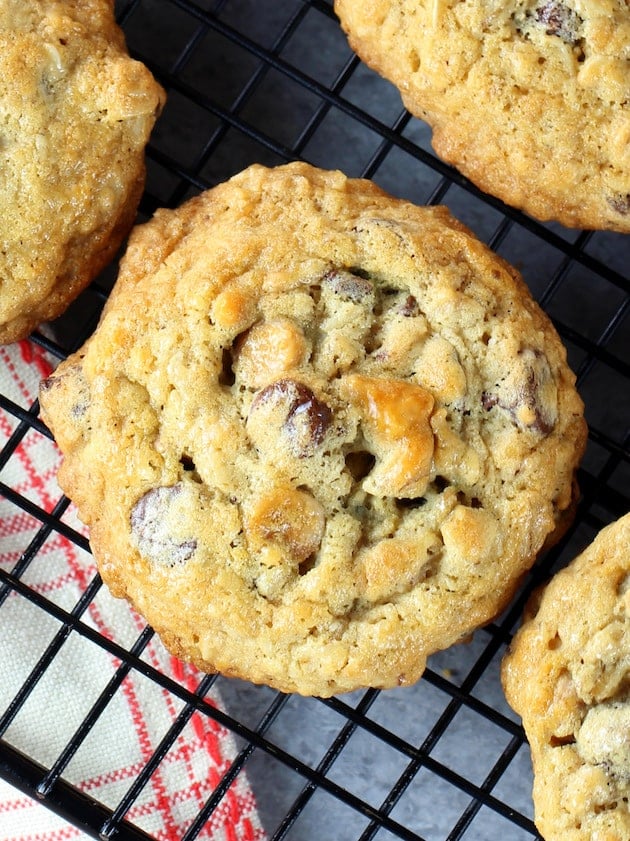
[319, 433]
[530, 99]
[567, 674]
[76, 113]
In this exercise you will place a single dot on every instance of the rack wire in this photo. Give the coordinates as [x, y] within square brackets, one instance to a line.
[270, 81]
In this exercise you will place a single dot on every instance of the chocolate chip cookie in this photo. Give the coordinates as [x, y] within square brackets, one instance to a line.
[568, 675]
[319, 432]
[76, 112]
[530, 99]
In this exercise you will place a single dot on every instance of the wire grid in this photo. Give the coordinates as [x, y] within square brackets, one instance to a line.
[270, 81]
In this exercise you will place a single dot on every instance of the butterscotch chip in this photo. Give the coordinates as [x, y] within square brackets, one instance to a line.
[530, 99]
[319, 433]
[76, 112]
[567, 674]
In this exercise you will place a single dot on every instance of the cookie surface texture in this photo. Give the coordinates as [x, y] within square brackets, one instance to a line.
[530, 99]
[76, 114]
[567, 674]
[319, 432]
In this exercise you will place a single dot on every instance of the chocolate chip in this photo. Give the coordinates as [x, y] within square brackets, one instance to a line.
[527, 392]
[488, 400]
[349, 287]
[80, 391]
[409, 307]
[559, 20]
[306, 418]
[530, 395]
[150, 526]
[310, 418]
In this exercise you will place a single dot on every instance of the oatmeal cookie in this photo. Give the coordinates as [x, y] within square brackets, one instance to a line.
[319, 432]
[530, 99]
[567, 674]
[76, 113]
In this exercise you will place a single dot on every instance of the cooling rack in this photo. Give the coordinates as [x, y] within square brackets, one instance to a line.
[270, 81]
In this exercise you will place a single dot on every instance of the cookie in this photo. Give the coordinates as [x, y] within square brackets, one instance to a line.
[530, 99]
[76, 113]
[319, 432]
[567, 674]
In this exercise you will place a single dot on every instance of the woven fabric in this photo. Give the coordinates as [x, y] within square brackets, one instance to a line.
[80, 673]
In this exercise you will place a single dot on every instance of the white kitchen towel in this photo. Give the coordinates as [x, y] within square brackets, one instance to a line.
[78, 670]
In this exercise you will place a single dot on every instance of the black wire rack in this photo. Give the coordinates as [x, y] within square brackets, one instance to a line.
[270, 81]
